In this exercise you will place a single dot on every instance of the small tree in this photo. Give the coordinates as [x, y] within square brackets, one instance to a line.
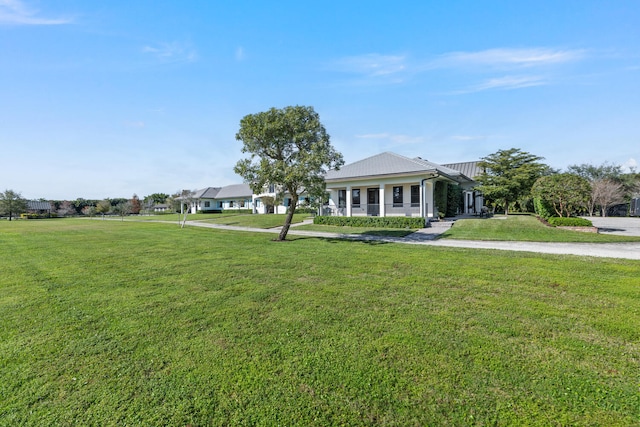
[606, 193]
[12, 203]
[136, 205]
[566, 192]
[123, 209]
[185, 199]
[103, 207]
[89, 211]
[509, 175]
[289, 148]
[66, 208]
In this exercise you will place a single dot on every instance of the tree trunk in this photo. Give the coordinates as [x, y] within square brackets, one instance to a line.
[288, 219]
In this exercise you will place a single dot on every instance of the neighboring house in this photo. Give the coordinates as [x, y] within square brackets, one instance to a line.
[263, 202]
[216, 199]
[204, 200]
[161, 207]
[389, 184]
[473, 199]
[234, 197]
[37, 207]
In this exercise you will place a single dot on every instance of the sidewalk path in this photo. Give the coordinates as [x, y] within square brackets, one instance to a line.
[429, 238]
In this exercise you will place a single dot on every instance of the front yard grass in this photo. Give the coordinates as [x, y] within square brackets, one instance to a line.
[254, 220]
[391, 232]
[524, 228]
[129, 323]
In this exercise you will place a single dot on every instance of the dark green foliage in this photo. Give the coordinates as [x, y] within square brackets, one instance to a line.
[454, 199]
[288, 148]
[440, 196]
[370, 221]
[542, 208]
[569, 222]
[509, 175]
[566, 193]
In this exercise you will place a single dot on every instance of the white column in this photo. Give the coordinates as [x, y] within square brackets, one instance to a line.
[348, 197]
[382, 209]
[428, 186]
[422, 210]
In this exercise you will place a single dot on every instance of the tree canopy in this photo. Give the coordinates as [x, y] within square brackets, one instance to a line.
[12, 203]
[509, 175]
[567, 193]
[288, 148]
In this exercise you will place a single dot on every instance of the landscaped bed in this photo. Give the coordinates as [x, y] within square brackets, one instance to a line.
[524, 228]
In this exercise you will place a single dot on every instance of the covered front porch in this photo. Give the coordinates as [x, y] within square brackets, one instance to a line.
[411, 198]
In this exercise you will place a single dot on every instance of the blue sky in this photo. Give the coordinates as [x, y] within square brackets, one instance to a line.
[110, 98]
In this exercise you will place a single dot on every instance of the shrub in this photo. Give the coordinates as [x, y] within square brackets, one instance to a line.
[370, 221]
[569, 222]
[542, 208]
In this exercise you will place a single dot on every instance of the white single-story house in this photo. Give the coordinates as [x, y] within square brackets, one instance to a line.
[161, 207]
[389, 184]
[263, 202]
[234, 197]
[214, 199]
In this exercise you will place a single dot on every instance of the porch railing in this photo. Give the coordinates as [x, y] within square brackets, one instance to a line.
[371, 209]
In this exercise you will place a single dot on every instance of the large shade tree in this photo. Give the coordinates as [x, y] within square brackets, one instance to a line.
[12, 203]
[288, 148]
[508, 175]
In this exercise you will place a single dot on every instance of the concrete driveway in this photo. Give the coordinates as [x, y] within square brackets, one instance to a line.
[623, 226]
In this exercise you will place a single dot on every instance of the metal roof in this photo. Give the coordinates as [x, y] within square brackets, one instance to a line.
[235, 191]
[35, 205]
[206, 193]
[388, 163]
[470, 169]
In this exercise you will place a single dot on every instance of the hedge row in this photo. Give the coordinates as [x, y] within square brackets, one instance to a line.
[569, 222]
[370, 221]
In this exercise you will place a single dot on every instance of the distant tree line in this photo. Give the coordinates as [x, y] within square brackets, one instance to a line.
[516, 181]
[12, 205]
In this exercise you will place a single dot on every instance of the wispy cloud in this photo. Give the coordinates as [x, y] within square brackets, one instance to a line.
[172, 52]
[630, 165]
[16, 12]
[240, 54]
[506, 83]
[507, 58]
[373, 65]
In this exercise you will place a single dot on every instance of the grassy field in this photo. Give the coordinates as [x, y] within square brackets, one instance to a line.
[129, 323]
[524, 228]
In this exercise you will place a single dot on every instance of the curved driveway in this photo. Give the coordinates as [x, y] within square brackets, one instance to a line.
[428, 238]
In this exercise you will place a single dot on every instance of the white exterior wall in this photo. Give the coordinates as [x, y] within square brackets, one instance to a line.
[385, 188]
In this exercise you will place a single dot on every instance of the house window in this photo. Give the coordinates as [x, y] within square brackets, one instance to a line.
[415, 196]
[272, 188]
[220, 205]
[397, 197]
[207, 204]
[355, 197]
[231, 204]
[287, 201]
[342, 198]
[242, 203]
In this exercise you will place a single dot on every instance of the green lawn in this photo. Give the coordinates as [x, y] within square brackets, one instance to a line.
[130, 323]
[394, 232]
[524, 228]
[253, 220]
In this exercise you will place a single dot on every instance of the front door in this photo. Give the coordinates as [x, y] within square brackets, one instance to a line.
[373, 201]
